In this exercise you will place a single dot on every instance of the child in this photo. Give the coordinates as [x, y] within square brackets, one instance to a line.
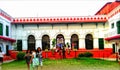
[28, 58]
[39, 55]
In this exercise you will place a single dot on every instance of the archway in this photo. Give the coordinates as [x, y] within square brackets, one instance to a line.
[74, 41]
[60, 41]
[45, 42]
[89, 41]
[31, 42]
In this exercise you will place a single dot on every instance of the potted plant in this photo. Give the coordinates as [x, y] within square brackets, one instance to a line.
[53, 45]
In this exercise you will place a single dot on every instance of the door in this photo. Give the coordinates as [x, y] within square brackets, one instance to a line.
[113, 47]
[7, 50]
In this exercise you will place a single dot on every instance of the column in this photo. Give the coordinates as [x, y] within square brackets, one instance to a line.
[81, 43]
[24, 44]
[95, 43]
[38, 43]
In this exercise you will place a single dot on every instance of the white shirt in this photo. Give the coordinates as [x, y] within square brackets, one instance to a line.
[34, 54]
[1, 54]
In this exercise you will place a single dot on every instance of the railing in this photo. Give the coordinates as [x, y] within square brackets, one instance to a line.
[110, 32]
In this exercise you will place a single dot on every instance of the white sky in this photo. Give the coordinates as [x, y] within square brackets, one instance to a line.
[51, 8]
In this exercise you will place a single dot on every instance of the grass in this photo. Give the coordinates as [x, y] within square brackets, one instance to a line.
[67, 64]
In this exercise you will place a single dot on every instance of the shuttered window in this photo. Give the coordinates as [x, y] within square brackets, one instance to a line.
[101, 43]
[112, 25]
[1, 29]
[118, 27]
[7, 31]
[19, 45]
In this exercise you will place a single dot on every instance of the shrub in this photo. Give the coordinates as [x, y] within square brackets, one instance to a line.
[86, 54]
[81, 55]
[20, 56]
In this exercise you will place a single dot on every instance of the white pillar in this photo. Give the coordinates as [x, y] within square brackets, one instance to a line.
[51, 44]
[38, 43]
[24, 44]
[67, 40]
[82, 43]
[95, 43]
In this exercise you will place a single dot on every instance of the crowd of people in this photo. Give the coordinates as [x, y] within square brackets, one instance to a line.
[34, 59]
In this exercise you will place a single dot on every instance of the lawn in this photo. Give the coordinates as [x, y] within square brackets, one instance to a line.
[67, 64]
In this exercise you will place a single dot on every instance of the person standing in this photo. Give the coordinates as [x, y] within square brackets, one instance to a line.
[1, 57]
[28, 58]
[39, 55]
[63, 51]
[35, 60]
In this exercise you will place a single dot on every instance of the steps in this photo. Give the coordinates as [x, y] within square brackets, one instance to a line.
[7, 58]
[112, 56]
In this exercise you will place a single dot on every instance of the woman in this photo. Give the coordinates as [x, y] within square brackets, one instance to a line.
[28, 58]
[35, 60]
[39, 55]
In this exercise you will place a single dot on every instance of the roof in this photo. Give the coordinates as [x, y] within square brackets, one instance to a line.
[7, 39]
[59, 19]
[107, 8]
[113, 37]
[5, 15]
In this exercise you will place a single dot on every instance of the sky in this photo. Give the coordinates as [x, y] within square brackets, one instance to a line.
[51, 8]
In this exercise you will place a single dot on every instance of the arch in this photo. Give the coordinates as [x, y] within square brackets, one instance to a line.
[89, 41]
[45, 42]
[31, 42]
[60, 41]
[74, 41]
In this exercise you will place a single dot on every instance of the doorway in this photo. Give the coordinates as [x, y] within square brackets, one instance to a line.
[45, 42]
[31, 42]
[74, 41]
[89, 41]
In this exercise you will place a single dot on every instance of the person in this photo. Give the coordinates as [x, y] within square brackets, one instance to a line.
[28, 57]
[35, 60]
[39, 55]
[69, 48]
[63, 51]
[1, 57]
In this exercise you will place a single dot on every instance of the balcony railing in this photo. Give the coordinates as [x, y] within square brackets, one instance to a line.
[110, 32]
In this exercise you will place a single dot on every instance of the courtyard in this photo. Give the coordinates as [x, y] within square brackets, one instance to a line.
[66, 64]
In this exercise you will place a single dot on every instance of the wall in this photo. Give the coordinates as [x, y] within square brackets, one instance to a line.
[3, 43]
[22, 31]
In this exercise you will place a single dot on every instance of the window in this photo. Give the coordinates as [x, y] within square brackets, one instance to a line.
[113, 45]
[101, 43]
[1, 29]
[118, 27]
[7, 31]
[112, 25]
[19, 45]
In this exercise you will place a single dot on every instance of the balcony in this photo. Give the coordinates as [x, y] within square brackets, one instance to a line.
[110, 32]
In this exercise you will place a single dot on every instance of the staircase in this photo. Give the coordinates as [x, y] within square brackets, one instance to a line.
[113, 56]
[7, 58]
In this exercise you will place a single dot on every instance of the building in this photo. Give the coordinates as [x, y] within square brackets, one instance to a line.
[5, 32]
[86, 32]
[98, 32]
